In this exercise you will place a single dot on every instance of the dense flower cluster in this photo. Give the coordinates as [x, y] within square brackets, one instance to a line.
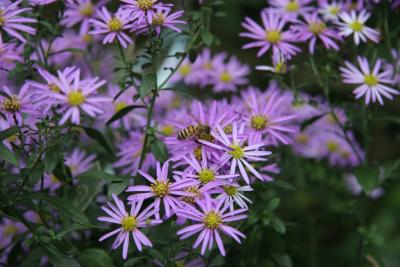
[217, 149]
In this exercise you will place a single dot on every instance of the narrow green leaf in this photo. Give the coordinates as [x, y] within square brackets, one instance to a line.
[278, 225]
[101, 175]
[8, 155]
[95, 257]
[159, 150]
[117, 188]
[133, 261]
[98, 136]
[51, 158]
[368, 177]
[57, 258]
[120, 114]
[148, 83]
[207, 37]
[7, 133]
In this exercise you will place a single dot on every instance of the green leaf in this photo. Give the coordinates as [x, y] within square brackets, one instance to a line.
[273, 204]
[368, 177]
[282, 259]
[8, 155]
[132, 261]
[95, 257]
[98, 136]
[148, 84]
[51, 158]
[117, 188]
[63, 206]
[159, 150]
[120, 114]
[8, 133]
[101, 176]
[278, 225]
[207, 37]
[57, 258]
[85, 192]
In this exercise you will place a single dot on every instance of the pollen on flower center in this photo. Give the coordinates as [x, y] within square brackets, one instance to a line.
[191, 200]
[167, 130]
[129, 223]
[292, 6]
[197, 153]
[160, 188]
[302, 138]
[334, 10]
[281, 67]
[206, 176]
[228, 129]
[370, 80]
[12, 104]
[226, 77]
[54, 87]
[2, 19]
[236, 152]
[145, 4]
[259, 122]
[158, 19]
[115, 25]
[356, 26]
[76, 98]
[332, 146]
[185, 69]
[273, 36]
[120, 106]
[230, 190]
[87, 10]
[212, 220]
[317, 28]
[10, 230]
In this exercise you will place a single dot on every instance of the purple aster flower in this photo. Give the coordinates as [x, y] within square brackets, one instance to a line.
[271, 34]
[78, 161]
[185, 73]
[50, 182]
[17, 104]
[204, 171]
[11, 22]
[41, 2]
[330, 9]
[266, 121]
[279, 61]
[77, 95]
[129, 152]
[232, 194]
[228, 76]
[209, 222]
[163, 18]
[314, 29]
[8, 230]
[355, 188]
[268, 170]
[130, 223]
[205, 65]
[8, 55]
[112, 27]
[291, 9]
[235, 151]
[354, 23]
[80, 11]
[372, 81]
[162, 189]
[144, 10]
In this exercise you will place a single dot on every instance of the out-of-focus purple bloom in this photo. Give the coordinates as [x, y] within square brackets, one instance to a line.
[232, 195]
[330, 9]
[11, 22]
[355, 188]
[279, 61]
[8, 55]
[291, 9]
[112, 26]
[270, 34]
[78, 161]
[314, 29]
[209, 221]
[143, 11]
[163, 18]
[8, 230]
[228, 76]
[41, 2]
[130, 223]
[354, 23]
[372, 81]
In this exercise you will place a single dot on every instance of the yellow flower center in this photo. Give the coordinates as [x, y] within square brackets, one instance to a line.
[197, 153]
[334, 10]
[2, 19]
[356, 26]
[87, 38]
[10, 230]
[281, 67]
[158, 19]
[212, 220]
[129, 223]
[54, 179]
[206, 176]
[332, 146]
[185, 69]
[208, 66]
[370, 80]
[302, 139]
[236, 152]
[160, 188]
[273, 36]
[12, 104]
[317, 28]
[54, 88]
[228, 129]
[258, 122]
[167, 130]
[145, 4]
[230, 190]
[191, 200]
[76, 98]
[120, 106]
[87, 10]
[225, 77]
[345, 154]
[292, 6]
[115, 25]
